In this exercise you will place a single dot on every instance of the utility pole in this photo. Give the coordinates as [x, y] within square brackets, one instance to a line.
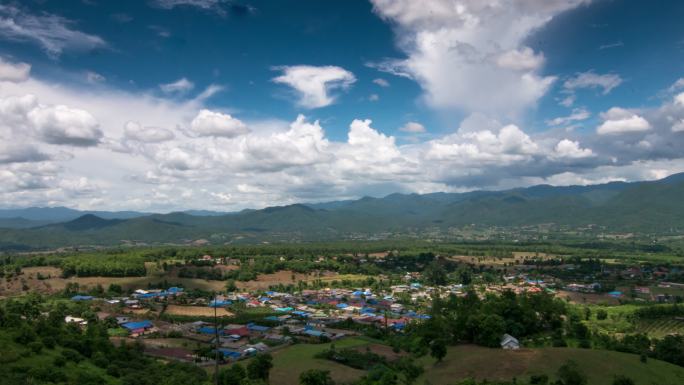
[216, 347]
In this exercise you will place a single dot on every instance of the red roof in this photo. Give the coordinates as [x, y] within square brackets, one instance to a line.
[241, 331]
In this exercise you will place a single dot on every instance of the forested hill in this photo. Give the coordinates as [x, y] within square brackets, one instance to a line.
[646, 207]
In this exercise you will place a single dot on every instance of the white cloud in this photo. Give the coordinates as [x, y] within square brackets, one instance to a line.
[679, 99]
[590, 79]
[567, 148]
[180, 86]
[678, 126]
[374, 97]
[211, 123]
[203, 4]
[381, 82]
[619, 121]
[55, 124]
[20, 153]
[677, 85]
[470, 148]
[520, 60]
[135, 131]
[413, 127]
[52, 32]
[496, 73]
[64, 125]
[578, 114]
[314, 84]
[13, 72]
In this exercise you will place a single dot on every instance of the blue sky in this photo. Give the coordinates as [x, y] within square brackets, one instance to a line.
[178, 104]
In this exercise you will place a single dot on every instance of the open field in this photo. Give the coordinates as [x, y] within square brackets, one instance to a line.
[518, 257]
[196, 311]
[600, 365]
[53, 282]
[286, 277]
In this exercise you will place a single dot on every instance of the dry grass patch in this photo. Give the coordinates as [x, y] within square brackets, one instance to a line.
[196, 311]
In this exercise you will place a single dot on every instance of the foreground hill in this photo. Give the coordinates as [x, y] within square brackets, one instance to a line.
[470, 361]
[600, 366]
[646, 207]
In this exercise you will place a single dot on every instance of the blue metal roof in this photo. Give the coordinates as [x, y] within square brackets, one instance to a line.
[209, 330]
[137, 325]
[82, 298]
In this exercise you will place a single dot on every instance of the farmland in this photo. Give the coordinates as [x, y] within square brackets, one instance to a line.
[196, 311]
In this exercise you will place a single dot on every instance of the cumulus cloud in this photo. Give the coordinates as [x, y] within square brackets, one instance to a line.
[619, 121]
[52, 33]
[20, 153]
[64, 125]
[501, 79]
[55, 124]
[135, 131]
[315, 84]
[567, 148]
[510, 144]
[180, 86]
[520, 60]
[592, 80]
[413, 128]
[211, 123]
[13, 72]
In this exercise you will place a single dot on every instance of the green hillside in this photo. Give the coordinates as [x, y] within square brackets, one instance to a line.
[600, 366]
[645, 207]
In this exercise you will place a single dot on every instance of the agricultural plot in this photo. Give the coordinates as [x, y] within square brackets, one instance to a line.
[659, 328]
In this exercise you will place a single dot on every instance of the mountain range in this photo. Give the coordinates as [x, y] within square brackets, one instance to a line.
[647, 207]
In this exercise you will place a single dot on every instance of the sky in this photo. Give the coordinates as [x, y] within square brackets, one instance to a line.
[165, 105]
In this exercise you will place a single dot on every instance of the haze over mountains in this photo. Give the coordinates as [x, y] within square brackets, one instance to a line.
[646, 207]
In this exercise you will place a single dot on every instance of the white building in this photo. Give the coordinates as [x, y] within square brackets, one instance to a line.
[509, 342]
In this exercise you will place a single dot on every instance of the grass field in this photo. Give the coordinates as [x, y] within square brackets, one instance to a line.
[29, 279]
[600, 365]
[290, 362]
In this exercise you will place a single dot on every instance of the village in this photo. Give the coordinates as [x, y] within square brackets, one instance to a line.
[184, 325]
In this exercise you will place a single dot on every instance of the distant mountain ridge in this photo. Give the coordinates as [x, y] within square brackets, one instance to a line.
[648, 207]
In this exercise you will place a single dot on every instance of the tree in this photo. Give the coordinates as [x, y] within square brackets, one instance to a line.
[230, 285]
[491, 328]
[570, 374]
[259, 367]
[232, 375]
[671, 349]
[316, 377]
[438, 349]
[409, 369]
[601, 314]
[435, 274]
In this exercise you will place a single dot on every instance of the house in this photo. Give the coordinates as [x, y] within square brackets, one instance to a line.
[509, 342]
[137, 328]
[236, 330]
[79, 321]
